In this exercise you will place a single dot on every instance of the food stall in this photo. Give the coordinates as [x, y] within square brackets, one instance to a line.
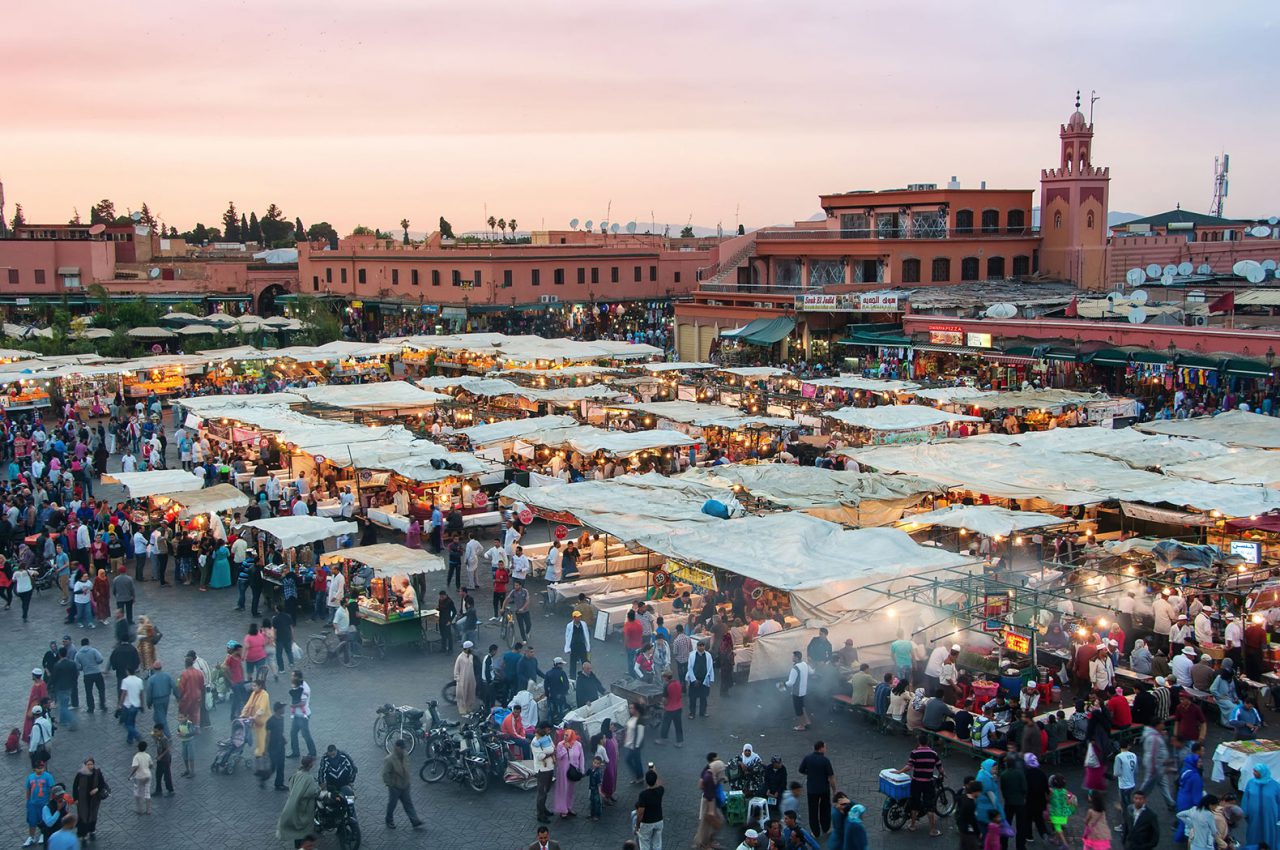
[902, 424]
[184, 505]
[391, 607]
[139, 485]
[287, 534]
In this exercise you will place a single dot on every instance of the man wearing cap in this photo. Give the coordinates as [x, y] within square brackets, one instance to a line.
[1204, 627]
[160, 687]
[577, 643]
[933, 668]
[1179, 633]
[464, 674]
[1101, 670]
[1233, 638]
[749, 840]
[1202, 673]
[556, 683]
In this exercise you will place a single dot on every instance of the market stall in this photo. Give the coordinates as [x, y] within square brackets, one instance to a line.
[142, 484]
[903, 423]
[391, 611]
[186, 504]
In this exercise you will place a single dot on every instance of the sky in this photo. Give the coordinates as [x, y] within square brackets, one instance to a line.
[713, 111]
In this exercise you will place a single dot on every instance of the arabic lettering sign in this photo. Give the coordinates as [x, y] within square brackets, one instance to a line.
[696, 576]
[995, 607]
[1015, 642]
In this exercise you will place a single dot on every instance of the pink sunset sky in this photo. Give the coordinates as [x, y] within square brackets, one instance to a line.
[547, 110]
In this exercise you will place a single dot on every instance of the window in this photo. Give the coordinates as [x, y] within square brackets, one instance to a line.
[315, 283]
[558, 277]
[328, 275]
[653, 274]
[395, 277]
[343, 275]
[910, 271]
[941, 270]
[1017, 221]
[677, 277]
[435, 277]
[638, 275]
[1089, 220]
[536, 279]
[826, 272]
[889, 225]
[13, 275]
[1057, 220]
[506, 278]
[995, 268]
[969, 268]
[1021, 266]
[457, 277]
[413, 277]
[855, 226]
[613, 275]
[40, 275]
[360, 276]
[595, 274]
[582, 275]
[991, 221]
[964, 221]
[787, 273]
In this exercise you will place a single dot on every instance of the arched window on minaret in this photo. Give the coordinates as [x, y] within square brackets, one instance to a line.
[1089, 220]
[1057, 220]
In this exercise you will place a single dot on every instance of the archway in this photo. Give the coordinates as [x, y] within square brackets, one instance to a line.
[267, 300]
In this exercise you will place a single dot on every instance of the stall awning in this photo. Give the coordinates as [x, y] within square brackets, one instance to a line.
[1123, 356]
[875, 340]
[1248, 368]
[220, 497]
[300, 530]
[142, 484]
[389, 559]
[774, 330]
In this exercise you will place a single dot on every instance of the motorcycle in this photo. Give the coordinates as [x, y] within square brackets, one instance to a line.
[492, 747]
[336, 812]
[459, 763]
[405, 723]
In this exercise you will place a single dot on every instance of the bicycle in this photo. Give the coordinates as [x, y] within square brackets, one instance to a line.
[322, 648]
[896, 811]
[506, 623]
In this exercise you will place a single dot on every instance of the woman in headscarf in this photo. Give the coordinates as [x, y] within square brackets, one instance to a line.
[1261, 806]
[1097, 742]
[989, 800]
[1037, 794]
[413, 536]
[88, 788]
[1190, 790]
[1224, 692]
[101, 593]
[610, 744]
[220, 576]
[257, 710]
[298, 818]
[915, 710]
[1140, 659]
[567, 753]
[1201, 823]
[855, 834]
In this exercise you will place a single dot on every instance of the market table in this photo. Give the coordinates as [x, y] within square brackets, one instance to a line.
[1244, 756]
[380, 632]
[566, 590]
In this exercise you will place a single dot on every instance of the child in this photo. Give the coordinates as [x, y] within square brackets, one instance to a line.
[596, 777]
[1097, 835]
[991, 841]
[39, 787]
[11, 743]
[1125, 769]
[1061, 804]
[186, 734]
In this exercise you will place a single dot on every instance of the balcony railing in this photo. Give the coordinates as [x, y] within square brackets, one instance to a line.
[904, 233]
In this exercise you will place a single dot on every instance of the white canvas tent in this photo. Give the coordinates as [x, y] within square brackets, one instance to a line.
[299, 530]
[1234, 428]
[219, 497]
[513, 429]
[900, 417]
[987, 520]
[858, 382]
[389, 395]
[389, 559]
[708, 415]
[156, 481]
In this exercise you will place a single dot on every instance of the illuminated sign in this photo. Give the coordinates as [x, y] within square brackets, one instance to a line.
[995, 607]
[946, 335]
[974, 340]
[1249, 550]
[1015, 642]
[696, 576]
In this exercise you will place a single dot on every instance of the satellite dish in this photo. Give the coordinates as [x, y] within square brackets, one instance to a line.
[631, 227]
[1137, 315]
[1273, 221]
[1166, 279]
[615, 227]
[1256, 275]
[1204, 268]
[1153, 271]
[154, 273]
[1139, 297]
[97, 229]
[1246, 268]
[588, 224]
[136, 216]
[573, 224]
[1001, 311]
[1135, 277]
[1170, 270]
[1112, 296]
[1269, 265]
[1185, 269]
[1261, 231]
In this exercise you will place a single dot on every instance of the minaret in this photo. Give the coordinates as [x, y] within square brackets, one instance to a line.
[1073, 209]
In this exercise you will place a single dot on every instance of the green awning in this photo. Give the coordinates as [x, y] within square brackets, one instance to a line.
[749, 328]
[1123, 356]
[875, 340]
[1248, 368]
[1199, 361]
[774, 330]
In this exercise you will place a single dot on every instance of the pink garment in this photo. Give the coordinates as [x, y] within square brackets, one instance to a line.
[610, 783]
[413, 537]
[562, 802]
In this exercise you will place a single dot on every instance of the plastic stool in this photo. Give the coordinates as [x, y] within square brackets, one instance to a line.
[757, 811]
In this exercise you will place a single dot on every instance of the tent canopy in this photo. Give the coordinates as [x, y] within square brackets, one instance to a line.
[1235, 428]
[952, 395]
[1038, 399]
[988, 520]
[379, 396]
[900, 417]
[809, 486]
[219, 497]
[157, 481]
[513, 429]
[763, 331]
[858, 382]
[708, 415]
[299, 530]
[389, 559]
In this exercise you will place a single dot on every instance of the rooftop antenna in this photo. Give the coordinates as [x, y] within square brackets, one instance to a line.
[4, 228]
[1094, 97]
[1221, 165]
[737, 216]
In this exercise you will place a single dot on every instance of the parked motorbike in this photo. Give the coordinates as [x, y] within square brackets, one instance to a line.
[459, 763]
[336, 812]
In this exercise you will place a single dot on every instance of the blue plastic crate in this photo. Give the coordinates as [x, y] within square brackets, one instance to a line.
[896, 786]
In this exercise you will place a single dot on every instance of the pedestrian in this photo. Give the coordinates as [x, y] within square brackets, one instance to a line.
[588, 688]
[672, 707]
[163, 756]
[577, 643]
[1140, 829]
[855, 833]
[88, 789]
[190, 689]
[648, 812]
[300, 715]
[283, 625]
[275, 749]
[130, 705]
[1199, 824]
[39, 790]
[609, 743]
[140, 776]
[298, 817]
[90, 661]
[395, 775]
[1261, 805]
[700, 674]
[159, 688]
[569, 764]
[709, 817]
[23, 585]
[820, 784]
[798, 686]
[464, 675]
[967, 816]
[594, 779]
[1013, 792]
[187, 731]
[64, 681]
[544, 841]
[38, 693]
[123, 661]
[1062, 804]
[65, 838]
[255, 651]
[633, 741]
[922, 765]
[544, 763]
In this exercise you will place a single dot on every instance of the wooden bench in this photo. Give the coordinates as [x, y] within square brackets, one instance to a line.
[883, 723]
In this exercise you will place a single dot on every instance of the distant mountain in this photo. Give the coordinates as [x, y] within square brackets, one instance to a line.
[1115, 218]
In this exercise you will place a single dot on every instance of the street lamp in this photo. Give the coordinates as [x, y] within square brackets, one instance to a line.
[1271, 357]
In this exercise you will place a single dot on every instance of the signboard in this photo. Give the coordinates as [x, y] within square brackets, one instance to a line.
[320, 458]
[946, 335]
[357, 304]
[526, 516]
[995, 607]
[879, 302]
[1249, 550]
[823, 303]
[480, 499]
[561, 532]
[264, 443]
[849, 302]
[974, 340]
[1015, 642]
[696, 576]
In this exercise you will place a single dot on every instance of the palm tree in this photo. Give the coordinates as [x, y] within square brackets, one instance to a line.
[502, 228]
[493, 222]
[404, 225]
[512, 224]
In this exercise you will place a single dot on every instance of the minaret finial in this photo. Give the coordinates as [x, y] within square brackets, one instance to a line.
[1077, 100]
